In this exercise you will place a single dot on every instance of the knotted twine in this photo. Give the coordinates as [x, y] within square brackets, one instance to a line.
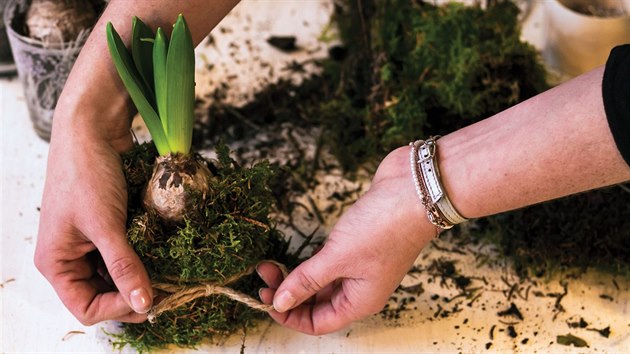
[183, 294]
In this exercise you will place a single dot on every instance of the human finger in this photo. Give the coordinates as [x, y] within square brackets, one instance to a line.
[131, 317]
[305, 281]
[270, 274]
[126, 270]
[85, 293]
[88, 306]
[266, 295]
[317, 317]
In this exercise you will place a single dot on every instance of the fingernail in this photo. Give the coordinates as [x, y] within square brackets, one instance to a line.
[260, 292]
[140, 300]
[283, 301]
[258, 271]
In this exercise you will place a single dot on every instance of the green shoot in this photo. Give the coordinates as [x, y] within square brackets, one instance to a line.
[160, 78]
[141, 51]
[160, 48]
[135, 86]
[180, 87]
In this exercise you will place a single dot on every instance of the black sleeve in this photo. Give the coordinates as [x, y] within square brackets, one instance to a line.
[616, 93]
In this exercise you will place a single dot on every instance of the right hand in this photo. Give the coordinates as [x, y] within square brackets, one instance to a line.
[366, 255]
[82, 245]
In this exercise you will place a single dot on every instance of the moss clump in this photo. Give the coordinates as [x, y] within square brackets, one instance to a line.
[230, 232]
[406, 69]
[414, 66]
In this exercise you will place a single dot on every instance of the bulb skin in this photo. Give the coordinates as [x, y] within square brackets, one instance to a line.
[176, 179]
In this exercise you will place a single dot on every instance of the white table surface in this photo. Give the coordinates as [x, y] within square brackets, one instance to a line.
[34, 320]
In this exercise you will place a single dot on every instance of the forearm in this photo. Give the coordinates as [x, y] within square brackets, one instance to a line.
[555, 144]
[94, 105]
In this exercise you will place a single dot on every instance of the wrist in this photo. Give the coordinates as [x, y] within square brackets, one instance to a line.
[396, 169]
[94, 106]
[81, 118]
[423, 155]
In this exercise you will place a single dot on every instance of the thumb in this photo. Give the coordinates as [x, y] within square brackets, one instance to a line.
[127, 271]
[305, 281]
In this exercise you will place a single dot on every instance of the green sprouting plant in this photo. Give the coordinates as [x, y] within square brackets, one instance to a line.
[160, 77]
[188, 227]
[231, 230]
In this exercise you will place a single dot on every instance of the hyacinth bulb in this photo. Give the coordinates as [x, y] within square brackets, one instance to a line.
[55, 22]
[175, 181]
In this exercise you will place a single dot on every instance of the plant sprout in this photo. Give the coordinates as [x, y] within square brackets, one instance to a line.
[160, 78]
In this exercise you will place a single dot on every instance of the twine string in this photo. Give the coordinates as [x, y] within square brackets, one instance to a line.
[183, 294]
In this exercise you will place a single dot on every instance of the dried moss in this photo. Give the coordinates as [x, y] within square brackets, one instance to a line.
[230, 232]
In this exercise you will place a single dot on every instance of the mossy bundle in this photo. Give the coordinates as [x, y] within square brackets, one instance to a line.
[231, 232]
[197, 225]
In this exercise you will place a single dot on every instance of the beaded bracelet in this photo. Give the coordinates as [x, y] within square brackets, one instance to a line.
[426, 178]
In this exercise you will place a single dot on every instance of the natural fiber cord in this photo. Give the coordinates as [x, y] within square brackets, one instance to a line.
[183, 294]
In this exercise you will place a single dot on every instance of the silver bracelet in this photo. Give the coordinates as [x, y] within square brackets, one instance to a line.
[426, 177]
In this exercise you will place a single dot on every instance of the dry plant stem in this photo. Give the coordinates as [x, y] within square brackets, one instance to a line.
[555, 144]
[183, 294]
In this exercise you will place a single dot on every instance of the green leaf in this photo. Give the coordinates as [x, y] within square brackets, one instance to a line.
[160, 49]
[133, 82]
[180, 87]
[142, 52]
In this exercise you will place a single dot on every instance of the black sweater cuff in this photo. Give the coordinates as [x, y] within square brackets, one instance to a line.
[616, 94]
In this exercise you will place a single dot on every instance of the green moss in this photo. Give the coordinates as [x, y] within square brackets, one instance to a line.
[415, 68]
[230, 232]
